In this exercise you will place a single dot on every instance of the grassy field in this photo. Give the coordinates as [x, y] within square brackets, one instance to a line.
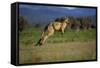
[72, 46]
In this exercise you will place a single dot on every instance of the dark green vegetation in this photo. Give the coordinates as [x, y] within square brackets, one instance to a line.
[77, 23]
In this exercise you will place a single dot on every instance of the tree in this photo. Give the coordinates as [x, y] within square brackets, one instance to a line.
[23, 23]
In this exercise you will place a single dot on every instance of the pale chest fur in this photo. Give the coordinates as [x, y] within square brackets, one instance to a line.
[63, 25]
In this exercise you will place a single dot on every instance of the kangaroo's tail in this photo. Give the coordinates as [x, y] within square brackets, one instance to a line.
[40, 40]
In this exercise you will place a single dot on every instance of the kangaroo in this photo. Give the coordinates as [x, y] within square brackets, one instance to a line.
[57, 25]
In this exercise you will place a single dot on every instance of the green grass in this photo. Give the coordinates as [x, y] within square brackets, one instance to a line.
[71, 46]
[32, 35]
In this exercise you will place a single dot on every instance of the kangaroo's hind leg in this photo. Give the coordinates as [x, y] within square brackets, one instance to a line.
[47, 36]
[49, 31]
[44, 39]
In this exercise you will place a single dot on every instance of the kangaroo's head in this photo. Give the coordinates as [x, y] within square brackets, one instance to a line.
[66, 20]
